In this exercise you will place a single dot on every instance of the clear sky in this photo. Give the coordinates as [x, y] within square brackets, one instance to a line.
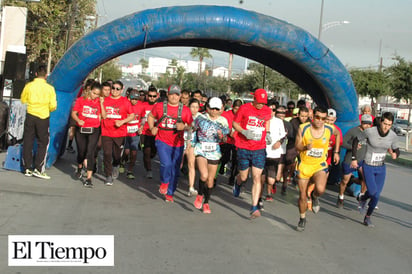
[377, 28]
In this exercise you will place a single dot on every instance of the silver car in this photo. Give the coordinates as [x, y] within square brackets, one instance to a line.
[401, 126]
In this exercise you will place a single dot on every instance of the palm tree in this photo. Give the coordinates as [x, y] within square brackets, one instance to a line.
[144, 63]
[201, 53]
[180, 75]
[173, 65]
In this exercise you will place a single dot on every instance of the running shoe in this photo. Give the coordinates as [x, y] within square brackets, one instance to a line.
[206, 209]
[121, 169]
[28, 173]
[191, 192]
[169, 198]
[130, 175]
[260, 204]
[301, 225]
[254, 212]
[41, 175]
[367, 221]
[70, 149]
[149, 174]
[108, 181]
[88, 183]
[163, 188]
[269, 198]
[315, 204]
[79, 173]
[198, 201]
[115, 172]
[339, 203]
[236, 189]
[362, 206]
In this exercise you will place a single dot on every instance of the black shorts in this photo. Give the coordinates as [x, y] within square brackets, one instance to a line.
[271, 167]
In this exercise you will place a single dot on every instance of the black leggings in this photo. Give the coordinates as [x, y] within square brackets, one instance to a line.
[112, 150]
[86, 147]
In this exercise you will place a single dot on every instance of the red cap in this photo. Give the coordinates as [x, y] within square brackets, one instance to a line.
[261, 97]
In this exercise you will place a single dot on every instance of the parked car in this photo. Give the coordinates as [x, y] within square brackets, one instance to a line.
[401, 126]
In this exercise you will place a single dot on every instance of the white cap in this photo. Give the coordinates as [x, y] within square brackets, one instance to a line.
[215, 102]
[331, 113]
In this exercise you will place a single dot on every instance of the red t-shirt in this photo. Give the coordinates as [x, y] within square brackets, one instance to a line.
[249, 117]
[89, 111]
[171, 137]
[332, 142]
[134, 125]
[229, 115]
[116, 109]
[146, 109]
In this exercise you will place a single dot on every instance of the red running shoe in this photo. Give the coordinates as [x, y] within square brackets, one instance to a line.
[269, 198]
[206, 209]
[169, 198]
[163, 188]
[274, 189]
[198, 201]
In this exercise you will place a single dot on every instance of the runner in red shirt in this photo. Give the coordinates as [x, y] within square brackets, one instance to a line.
[169, 131]
[118, 113]
[229, 152]
[131, 144]
[87, 113]
[147, 139]
[251, 123]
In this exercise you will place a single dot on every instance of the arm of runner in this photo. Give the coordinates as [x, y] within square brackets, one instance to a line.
[76, 118]
[336, 150]
[129, 118]
[151, 122]
[355, 146]
[299, 142]
[102, 108]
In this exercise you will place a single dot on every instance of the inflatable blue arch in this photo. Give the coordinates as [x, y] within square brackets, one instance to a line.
[277, 44]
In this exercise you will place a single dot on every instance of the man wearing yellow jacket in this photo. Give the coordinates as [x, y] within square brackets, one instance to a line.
[40, 98]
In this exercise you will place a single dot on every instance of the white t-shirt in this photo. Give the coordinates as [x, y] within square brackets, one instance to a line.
[277, 132]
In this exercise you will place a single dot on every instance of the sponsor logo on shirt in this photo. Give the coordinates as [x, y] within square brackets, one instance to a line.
[113, 113]
[89, 112]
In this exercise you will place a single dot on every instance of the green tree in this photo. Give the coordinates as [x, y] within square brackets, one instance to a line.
[265, 77]
[173, 65]
[180, 75]
[400, 78]
[370, 83]
[200, 53]
[109, 70]
[144, 63]
[53, 26]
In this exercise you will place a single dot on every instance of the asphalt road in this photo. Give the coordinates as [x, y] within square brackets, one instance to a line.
[152, 236]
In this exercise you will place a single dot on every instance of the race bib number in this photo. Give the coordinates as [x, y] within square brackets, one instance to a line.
[378, 158]
[132, 129]
[257, 135]
[315, 152]
[209, 147]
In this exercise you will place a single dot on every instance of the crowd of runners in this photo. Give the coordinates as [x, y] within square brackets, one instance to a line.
[270, 143]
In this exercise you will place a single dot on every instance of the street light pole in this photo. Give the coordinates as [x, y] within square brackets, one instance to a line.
[320, 20]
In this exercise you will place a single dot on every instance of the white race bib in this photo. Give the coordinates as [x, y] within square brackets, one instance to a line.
[209, 147]
[378, 158]
[315, 152]
[132, 129]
